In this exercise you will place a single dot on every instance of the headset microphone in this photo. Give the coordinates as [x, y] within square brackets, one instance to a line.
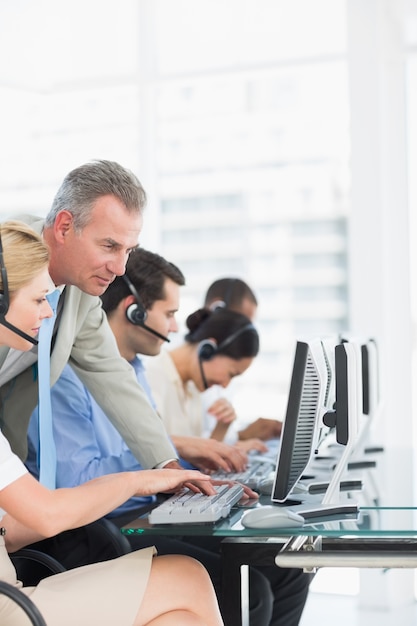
[136, 312]
[206, 349]
[154, 332]
[5, 301]
[203, 376]
[16, 330]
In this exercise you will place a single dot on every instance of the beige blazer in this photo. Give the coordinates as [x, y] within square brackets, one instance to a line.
[85, 340]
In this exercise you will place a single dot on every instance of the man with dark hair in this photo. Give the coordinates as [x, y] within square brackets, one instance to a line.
[233, 294]
[141, 309]
[87, 443]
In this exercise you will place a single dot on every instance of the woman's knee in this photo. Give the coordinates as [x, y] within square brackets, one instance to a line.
[176, 582]
[193, 574]
[184, 573]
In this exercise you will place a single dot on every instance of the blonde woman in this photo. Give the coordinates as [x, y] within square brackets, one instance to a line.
[137, 589]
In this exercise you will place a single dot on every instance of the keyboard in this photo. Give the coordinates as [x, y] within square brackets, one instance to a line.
[187, 507]
[256, 472]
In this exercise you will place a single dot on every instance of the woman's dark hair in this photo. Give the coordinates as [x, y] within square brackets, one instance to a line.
[220, 325]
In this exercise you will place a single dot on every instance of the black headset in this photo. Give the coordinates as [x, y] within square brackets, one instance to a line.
[5, 301]
[208, 348]
[136, 312]
[4, 293]
[225, 303]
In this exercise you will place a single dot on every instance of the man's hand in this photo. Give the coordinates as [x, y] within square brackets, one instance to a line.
[252, 444]
[197, 485]
[262, 428]
[210, 455]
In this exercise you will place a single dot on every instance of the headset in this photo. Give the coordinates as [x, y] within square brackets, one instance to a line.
[4, 294]
[208, 348]
[225, 303]
[136, 312]
[5, 301]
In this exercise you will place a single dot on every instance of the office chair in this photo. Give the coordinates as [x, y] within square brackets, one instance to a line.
[33, 565]
[24, 602]
[99, 541]
[109, 533]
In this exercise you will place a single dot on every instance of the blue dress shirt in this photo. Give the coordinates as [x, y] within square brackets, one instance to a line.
[87, 444]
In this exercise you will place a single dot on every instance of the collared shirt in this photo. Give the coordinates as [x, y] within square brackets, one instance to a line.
[87, 444]
[183, 408]
[180, 406]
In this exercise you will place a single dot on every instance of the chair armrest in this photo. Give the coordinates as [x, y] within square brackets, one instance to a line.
[110, 533]
[24, 602]
[33, 565]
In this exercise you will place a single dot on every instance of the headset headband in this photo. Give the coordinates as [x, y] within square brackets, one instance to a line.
[4, 300]
[132, 288]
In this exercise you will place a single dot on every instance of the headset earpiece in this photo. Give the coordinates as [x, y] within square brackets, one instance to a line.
[207, 349]
[217, 304]
[136, 314]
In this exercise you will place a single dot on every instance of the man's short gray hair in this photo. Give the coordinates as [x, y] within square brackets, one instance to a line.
[85, 184]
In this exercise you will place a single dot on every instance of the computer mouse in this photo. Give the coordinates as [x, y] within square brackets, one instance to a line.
[270, 516]
[265, 486]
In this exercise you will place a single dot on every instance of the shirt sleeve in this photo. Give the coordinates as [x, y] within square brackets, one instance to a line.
[11, 467]
[110, 379]
[87, 444]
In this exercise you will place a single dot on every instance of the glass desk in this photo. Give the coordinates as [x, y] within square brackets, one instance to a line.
[380, 537]
[373, 521]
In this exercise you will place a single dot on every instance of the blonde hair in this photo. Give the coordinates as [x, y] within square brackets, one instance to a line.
[25, 254]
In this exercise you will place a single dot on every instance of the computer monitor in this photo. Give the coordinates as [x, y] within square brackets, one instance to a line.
[370, 377]
[329, 342]
[301, 426]
[327, 434]
[371, 405]
[337, 417]
[303, 422]
[341, 417]
[347, 412]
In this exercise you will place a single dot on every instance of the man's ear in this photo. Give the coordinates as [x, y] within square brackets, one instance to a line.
[125, 303]
[63, 224]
